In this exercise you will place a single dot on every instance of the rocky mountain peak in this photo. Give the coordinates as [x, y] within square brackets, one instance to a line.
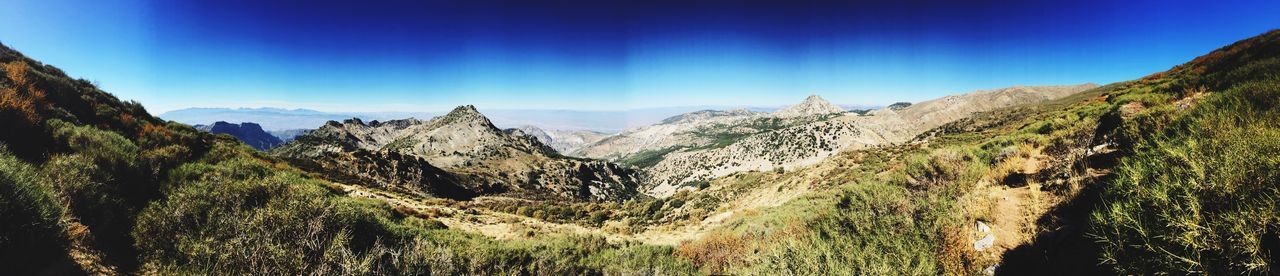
[353, 121]
[812, 105]
[461, 149]
[466, 115]
[464, 109]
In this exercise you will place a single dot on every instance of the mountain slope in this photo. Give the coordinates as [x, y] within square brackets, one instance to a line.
[1204, 134]
[1170, 174]
[479, 156]
[93, 185]
[704, 145]
[563, 141]
[683, 130]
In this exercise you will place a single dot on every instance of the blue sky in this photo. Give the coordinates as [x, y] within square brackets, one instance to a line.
[395, 55]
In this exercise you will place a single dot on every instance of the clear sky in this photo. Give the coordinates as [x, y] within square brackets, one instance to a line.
[606, 54]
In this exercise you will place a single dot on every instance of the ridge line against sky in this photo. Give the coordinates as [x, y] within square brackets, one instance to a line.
[414, 56]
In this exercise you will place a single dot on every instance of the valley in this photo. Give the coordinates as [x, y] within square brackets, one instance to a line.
[1169, 173]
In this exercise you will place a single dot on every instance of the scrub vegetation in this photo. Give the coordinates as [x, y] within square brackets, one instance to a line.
[1175, 173]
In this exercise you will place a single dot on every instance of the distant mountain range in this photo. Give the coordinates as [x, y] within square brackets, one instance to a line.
[278, 119]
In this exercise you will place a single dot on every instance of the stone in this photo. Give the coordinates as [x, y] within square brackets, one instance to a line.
[984, 243]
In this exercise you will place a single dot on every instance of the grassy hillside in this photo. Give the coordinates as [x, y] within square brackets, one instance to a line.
[1200, 189]
[1189, 188]
[1169, 174]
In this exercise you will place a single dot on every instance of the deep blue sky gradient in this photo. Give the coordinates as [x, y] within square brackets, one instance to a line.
[607, 55]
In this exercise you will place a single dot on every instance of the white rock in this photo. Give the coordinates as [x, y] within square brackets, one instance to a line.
[984, 243]
[983, 228]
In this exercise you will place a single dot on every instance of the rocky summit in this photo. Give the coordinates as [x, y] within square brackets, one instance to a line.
[812, 105]
[477, 156]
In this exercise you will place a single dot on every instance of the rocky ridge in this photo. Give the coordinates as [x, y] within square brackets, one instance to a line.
[479, 157]
[705, 145]
[808, 143]
[249, 133]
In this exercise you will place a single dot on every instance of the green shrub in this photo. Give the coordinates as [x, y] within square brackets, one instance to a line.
[875, 229]
[952, 168]
[31, 232]
[106, 147]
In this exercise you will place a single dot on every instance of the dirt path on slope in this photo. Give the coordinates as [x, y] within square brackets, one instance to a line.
[82, 252]
[493, 224]
[506, 226]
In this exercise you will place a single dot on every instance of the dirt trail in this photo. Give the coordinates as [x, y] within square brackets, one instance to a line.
[509, 226]
[82, 251]
[1013, 216]
[494, 224]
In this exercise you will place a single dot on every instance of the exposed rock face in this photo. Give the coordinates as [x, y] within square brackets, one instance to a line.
[249, 133]
[813, 105]
[479, 157]
[804, 144]
[709, 144]
[563, 141]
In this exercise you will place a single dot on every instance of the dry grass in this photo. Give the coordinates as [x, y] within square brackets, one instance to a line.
[716, 252]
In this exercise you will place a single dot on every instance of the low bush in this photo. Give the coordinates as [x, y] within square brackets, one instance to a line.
[32, 228]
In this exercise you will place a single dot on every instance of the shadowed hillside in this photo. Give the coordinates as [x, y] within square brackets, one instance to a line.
[249, 133]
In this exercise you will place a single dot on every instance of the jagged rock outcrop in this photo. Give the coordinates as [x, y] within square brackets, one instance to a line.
[249, 133]
[479, 157]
